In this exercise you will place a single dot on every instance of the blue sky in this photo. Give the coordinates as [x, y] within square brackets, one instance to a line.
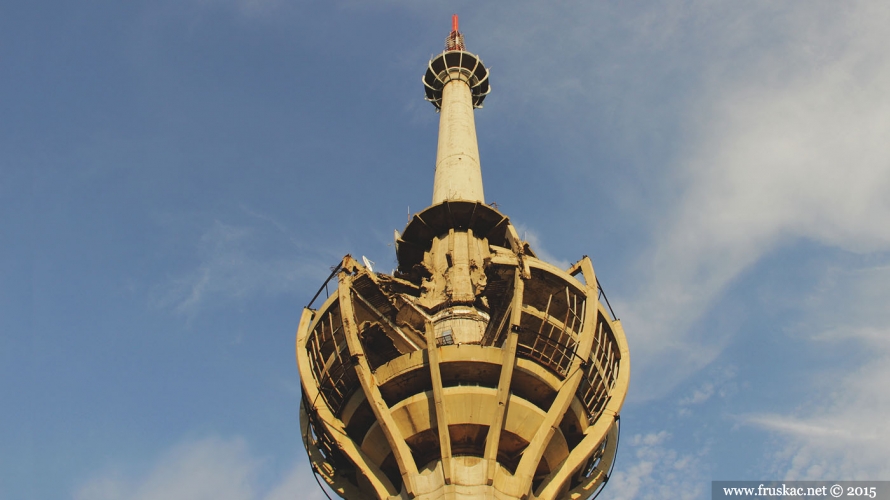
[177, 177]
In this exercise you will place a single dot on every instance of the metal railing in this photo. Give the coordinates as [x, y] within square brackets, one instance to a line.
[600, 371]
[329, 360]
[555, 342]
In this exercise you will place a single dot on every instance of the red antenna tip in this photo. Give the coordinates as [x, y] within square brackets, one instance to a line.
[454, 22]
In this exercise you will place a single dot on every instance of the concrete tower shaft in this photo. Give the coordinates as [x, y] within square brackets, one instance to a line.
[458, 173]
[457, 82]
[474, 370]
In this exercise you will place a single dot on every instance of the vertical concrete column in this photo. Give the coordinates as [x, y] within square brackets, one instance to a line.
[458, 173]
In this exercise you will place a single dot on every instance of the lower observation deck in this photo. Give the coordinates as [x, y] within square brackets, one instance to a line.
[516, 358]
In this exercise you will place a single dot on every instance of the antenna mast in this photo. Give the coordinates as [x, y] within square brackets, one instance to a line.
[455, 40]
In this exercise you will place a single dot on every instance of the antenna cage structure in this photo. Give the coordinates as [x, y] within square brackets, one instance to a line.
[455, 41]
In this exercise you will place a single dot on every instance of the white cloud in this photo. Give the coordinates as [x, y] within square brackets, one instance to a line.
[297, 484]
[657, 471]
[842, 431]
[208, 469]
[845, 437]
[531, 237]
[719, 383]
[700, 395]
[792, 143]
[240, 262]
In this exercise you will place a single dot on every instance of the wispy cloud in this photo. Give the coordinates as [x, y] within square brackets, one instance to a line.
[658, 471]
[238, 262]
[791, 144]
[844, 436]
[841, 431]
[720, 383]
[531, 236]
[209, 469]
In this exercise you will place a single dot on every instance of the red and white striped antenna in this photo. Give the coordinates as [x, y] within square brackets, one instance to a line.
[455, 40]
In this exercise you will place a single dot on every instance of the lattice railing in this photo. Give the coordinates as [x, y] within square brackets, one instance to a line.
[601, 370]
[550, 330]
[330, 361]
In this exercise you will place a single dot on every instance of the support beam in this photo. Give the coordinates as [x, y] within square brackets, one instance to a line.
[525, 471]
[439, 402]
[532, 454]
[400, 449]
[554, 483]
[591, 306]
[404, 339]
[592, 438]
[383, 488]
[508, 362]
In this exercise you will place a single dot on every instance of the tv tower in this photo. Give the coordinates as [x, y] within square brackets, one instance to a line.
[475, 370]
